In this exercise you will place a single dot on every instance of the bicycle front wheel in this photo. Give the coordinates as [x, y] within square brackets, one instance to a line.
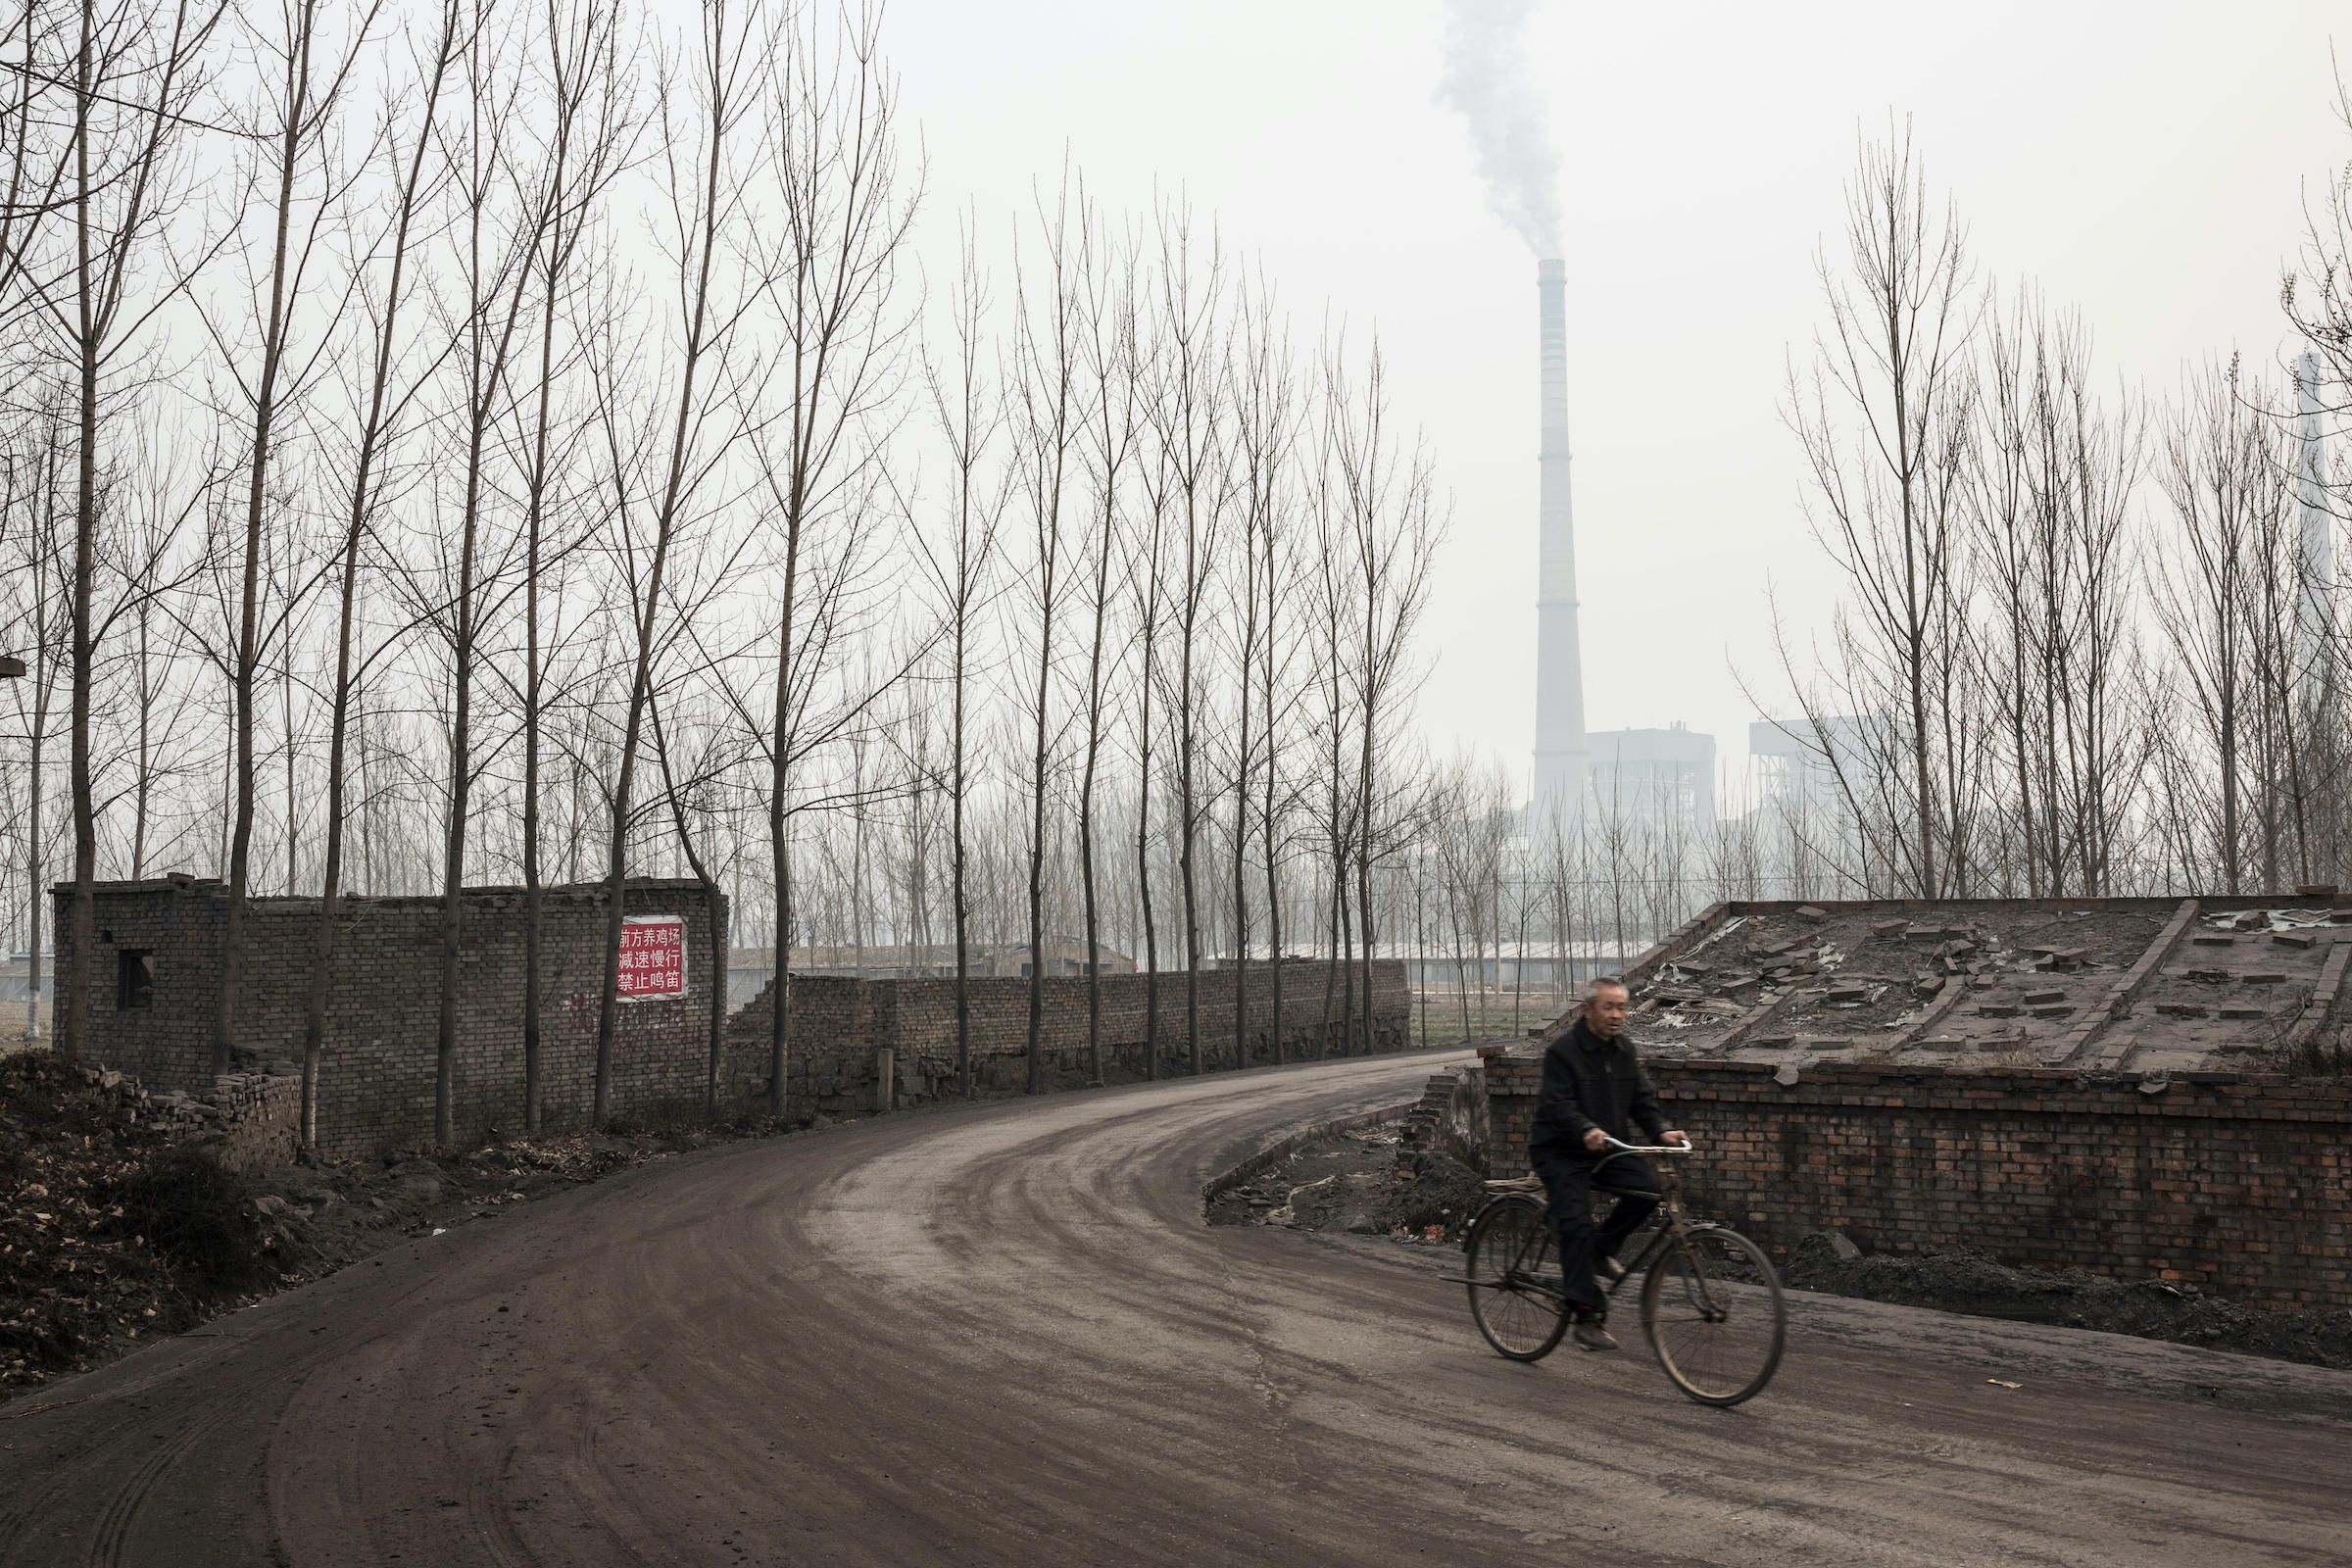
[1514, 1270]
[1712, 1308]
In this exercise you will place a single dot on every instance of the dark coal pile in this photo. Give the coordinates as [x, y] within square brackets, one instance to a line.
[1966, 1281]
[1361, 1184]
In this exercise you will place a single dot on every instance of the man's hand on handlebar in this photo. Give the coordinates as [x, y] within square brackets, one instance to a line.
[1596, 1140]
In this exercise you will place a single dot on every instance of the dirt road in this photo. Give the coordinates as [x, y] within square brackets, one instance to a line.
[1004, 1336]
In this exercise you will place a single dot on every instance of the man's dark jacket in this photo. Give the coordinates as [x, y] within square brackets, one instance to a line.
[1590, 1082]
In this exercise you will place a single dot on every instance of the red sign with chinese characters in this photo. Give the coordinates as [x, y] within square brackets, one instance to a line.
[652, 956]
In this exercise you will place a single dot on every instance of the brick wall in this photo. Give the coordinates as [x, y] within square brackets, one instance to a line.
[837, 1024]
[2238, 1183]
[377, 1074]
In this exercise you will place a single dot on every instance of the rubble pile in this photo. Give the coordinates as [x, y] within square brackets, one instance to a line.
[1759, 969]
[1362, 1184]
[77, 1275]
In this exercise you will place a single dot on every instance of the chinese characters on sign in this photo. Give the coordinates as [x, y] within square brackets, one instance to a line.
[653, 958]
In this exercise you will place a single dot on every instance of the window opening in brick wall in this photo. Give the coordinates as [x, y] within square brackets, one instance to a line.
[134, 978]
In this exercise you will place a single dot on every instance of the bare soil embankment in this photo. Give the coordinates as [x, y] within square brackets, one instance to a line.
[112, 1235]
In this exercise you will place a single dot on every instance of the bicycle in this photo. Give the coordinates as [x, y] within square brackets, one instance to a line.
[1711, 1303]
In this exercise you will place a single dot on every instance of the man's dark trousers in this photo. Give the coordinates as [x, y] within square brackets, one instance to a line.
[1569, 1184]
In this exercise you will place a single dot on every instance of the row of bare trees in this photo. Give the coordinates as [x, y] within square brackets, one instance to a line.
[2091, 641]
[449, 443]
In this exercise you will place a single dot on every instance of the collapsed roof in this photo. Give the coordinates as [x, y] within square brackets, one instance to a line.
[2130, 985]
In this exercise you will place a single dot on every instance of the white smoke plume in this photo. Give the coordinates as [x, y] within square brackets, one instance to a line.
[1486, 79]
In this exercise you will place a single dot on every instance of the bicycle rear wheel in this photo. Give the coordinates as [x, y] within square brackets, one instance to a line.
[1712, 1308]
[1515, 1297]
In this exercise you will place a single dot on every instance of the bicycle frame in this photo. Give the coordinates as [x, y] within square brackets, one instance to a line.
[1695, 1307]
[1672, 1227]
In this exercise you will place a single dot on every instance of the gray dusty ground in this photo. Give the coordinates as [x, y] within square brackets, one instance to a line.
[1007, 1337]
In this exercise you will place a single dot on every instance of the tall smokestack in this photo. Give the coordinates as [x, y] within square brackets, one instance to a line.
[1561, 747]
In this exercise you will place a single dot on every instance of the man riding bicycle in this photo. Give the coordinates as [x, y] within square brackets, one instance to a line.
[1594, 1086]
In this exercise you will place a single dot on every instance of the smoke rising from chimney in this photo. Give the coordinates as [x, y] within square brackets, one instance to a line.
[1485, 53]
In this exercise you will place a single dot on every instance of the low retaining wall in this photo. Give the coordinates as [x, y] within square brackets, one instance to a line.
[840, 1027]
[2237, 1183]
[1451, 1117]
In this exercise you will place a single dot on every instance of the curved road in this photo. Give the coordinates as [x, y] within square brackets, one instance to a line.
[1003, 1335]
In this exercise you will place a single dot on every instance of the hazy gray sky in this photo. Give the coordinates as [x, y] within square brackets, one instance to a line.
[2148, 164]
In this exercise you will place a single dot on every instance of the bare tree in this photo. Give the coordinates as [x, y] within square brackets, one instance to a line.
[2218, 474]
[831, 128]
[1189, 417]
[35, 485]
[1393, 529]
[305, 193]
[135, 73]
[1147, 571]
[1264, 428]
[1109, 346]
[706, 113]
[1885, 490]
[962, 567]
[590, 142]
[1053, 416]
[496, 266]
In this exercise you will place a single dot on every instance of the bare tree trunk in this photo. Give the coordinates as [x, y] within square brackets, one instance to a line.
[1049, 427]
[141, 69]
[300, 119]
[582, 58]
[1148, 632]
[42, 672]
[82, 935]
[488, 345]
[1240, 839]
[715, 904]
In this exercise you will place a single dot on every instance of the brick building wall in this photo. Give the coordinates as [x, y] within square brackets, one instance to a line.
[2240, 1183]
[377, 1074]
[837, 1024]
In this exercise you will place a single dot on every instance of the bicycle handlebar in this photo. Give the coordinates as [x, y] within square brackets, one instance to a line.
[1649, 1149]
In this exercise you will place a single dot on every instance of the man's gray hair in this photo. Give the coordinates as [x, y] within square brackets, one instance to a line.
[1606, 982]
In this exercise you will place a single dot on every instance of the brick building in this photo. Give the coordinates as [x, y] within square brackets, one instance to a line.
[2128, 1086]
[155, 994]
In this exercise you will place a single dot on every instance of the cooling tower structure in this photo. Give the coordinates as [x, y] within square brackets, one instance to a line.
[1562, 750]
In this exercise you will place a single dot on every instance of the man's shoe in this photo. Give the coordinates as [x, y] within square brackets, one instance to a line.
[1608, 1268]
[1591, 1333]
